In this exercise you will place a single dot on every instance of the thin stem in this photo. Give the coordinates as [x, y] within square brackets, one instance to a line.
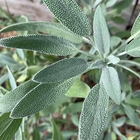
[87, 40]
[7, 7]
[130, 62]
[128, 69]
[122, 53]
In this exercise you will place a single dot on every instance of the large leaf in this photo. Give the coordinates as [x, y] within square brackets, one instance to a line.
[61, 70]
[133, 48]
[70, 15]
[8, 134]
[55, 29]
[101, 33]
[94, 114]
[57, 135]
[39, 98]
[41, 43]
[9, 100]
[78, 89]
[5, 121]
[111, 83]
[136, 27]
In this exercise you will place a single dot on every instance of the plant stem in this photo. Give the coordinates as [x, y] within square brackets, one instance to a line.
[130, 62]
[128, 69]
[7, 7]
[87, 54]
[120, 54]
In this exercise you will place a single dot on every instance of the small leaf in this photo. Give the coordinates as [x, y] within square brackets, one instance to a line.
[133, 48]
[50, 28]
[98, 64]
[94, 114]
[70, 15]
[136, 27]
[9, 100]
[11, 79]
[113, 59]
[131, 114]
[101, 33]
[39, 98]
[18, 135]
[119, 122]
[56, 132]
[110, 3]
[11, 130]
[78, 89]
[40, 43]
[111, 84]
[61, 70]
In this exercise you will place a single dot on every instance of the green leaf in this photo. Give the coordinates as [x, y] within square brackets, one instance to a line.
[73, 108]
[50, 28]
[113, 59]
[11, 79]
[56, 132]
[39, 98]
[9, 100]
[11, 130]
[110, 3]
[101, 33]
[36, 135]
[40, 43]
[78, 89]
[70, 15]
[5, 121]
[133, 48]
[119, 122]
[18, 135]
[131, 114]
[61, 70]
[94, 114]
[136, 27]
[98, 64]
[111, 84]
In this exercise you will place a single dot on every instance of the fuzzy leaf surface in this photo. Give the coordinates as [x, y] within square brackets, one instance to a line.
[50, 28]
[101, 33]
[9, 100]
[94, 114]
[70, 15]
[61, 70]
[111, 84]
[40, 43]
[136, 27]
[39, 98]
[133, 48]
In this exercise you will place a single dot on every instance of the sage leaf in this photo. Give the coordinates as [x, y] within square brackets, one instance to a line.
[5, 121]
[101, 33]
[113, 59]
[133, 48]
[111, 83]
[8, 134]
[57, 135]
[70, 15]
[9, 100]
[50, 28]
[39, 98]
[136, 27]
[94, 114]
[40, 43]
[131, 114]
[78, 89]
[61, 70]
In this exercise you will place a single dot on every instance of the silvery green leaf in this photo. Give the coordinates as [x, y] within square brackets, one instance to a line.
[70, 15]
[115, 41]
[11, 78]
[61, 70]
[101, 33]
[98, 64]
[136, 27]
[39, 98]
[113, 59]
[132, 115]
[50, 28]
[120, 121]
[40, 43]
[133, 48]
[94, 114]
[111, 84]
[9, 100]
